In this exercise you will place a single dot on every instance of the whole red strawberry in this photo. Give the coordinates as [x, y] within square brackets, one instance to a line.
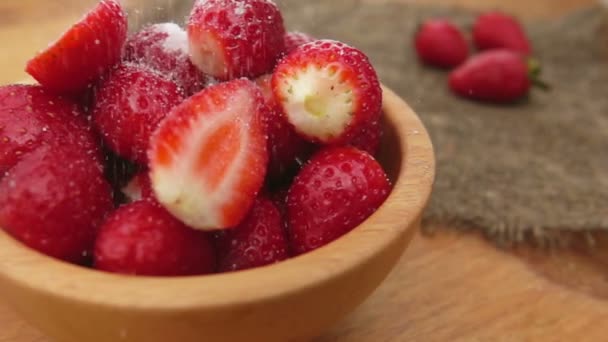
[496, 30]
[235, 38]
[287, 149]
[164, 47]
[128, 107]
[84, 53]
[494, 75]
[440, 43]
[142, 238]
[30, 116]
[257, 241]
[369, 138]
[294, 39]
[329, 91]
[209, 156]
[338, 189]
[54, 200]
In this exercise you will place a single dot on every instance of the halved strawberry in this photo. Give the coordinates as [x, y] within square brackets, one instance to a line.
[287, 150]
[84, 53]
[164, 47]
[328, 90]
[235, 38]
[208, 157]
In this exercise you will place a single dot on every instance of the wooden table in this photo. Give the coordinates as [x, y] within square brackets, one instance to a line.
[449, 287]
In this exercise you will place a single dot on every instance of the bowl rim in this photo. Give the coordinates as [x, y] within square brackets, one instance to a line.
[26, 268]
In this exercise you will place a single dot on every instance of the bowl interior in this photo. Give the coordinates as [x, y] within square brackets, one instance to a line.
[407, 156]
[391, 152]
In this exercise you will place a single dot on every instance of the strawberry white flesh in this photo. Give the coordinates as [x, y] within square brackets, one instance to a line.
[318, 101]
[209, 157]
[328, 90]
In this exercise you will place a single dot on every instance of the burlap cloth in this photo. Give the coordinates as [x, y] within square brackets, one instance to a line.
[523, 172]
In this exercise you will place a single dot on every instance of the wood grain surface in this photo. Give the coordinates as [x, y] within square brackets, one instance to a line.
[448, 287]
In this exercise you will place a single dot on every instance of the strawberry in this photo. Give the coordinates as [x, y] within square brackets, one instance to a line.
[328, 91]
[496, 30]
[295, 39]
[440, 43]
[30, 117]
[336, 190]
[84, 53]
[287, 150]
[164, 47]
[209, 156]
[142, 238]
[128, 107]
[54, 200]
[257, 241]
[139, 188]
[369, 138]
[235, 38]
[495, 75]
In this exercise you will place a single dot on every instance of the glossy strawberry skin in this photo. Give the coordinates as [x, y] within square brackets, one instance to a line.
[294, 39]
[257, 241]
[142, 238]
[30, 116]
[128, 107]
[336, 191]
[355, 72]
[84, 53]
[440, 43]
[209, 156]
[54, 200]
[495, 76]
[164, 48]
[495, 30]
[247, 35]
[369, 138]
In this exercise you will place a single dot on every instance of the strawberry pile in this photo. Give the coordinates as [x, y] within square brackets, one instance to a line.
[501, 72]
[224, 145]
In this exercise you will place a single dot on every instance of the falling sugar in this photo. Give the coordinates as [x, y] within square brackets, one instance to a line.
[177, 38]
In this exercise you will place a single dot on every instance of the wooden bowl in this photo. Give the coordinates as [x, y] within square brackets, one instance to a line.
[294, 300]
